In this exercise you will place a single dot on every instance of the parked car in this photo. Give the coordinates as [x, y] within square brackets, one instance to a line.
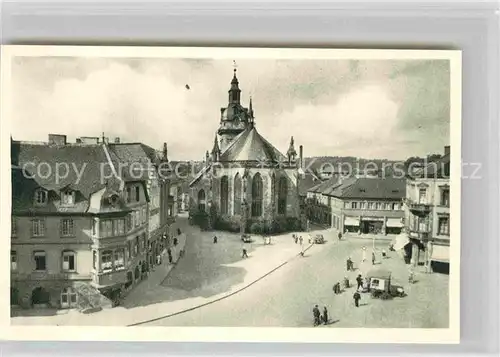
[380, 285]
[246, 238]
[319, 239]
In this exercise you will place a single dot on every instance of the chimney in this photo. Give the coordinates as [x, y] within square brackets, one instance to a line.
[447, 150]
[301, 156]
[117, 140]
[57, 139]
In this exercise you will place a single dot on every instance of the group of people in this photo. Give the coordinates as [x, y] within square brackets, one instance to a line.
[318, 317]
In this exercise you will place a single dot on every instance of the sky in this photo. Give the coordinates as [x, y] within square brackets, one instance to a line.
[387, 109]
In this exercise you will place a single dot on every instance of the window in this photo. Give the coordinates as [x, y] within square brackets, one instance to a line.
[69, 261]
[106, 229]
[371, 205]
[68, 198]
[13, 226]
[137, 218]
[282, 194]
[119, 227]
[422, 196]
[38, 227]
[237, 194]
[41, 197]
[354, 205]
[224, 195]
[129, 194]
[362, 205]
[130, 251]
[13, 260]
[395, 206]
[378, 206]
[387, 206]
[67, 227]
[201, 201]
[94, 227]
[137, 194]
[445, 197]
[107, 260]
[257, 196]
[145, 241]
[94, 259]
[120, 258]
[144, 215]
[136, 246]
[130, 224]
[444, 226]
[40, 261]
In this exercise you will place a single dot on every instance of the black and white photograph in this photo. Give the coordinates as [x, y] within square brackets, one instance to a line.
[284, 190]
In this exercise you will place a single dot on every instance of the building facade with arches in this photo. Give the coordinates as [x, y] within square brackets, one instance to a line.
[245, 178]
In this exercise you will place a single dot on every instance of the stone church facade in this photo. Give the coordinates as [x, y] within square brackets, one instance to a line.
[246, 180]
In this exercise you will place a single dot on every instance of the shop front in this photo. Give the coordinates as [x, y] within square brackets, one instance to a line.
[394, 226]
[351, 224]
[372, 225]
[439, 258]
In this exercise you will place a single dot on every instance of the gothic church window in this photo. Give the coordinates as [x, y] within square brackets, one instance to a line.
[257, 195]
[237, 194]
[224, 195]
[201, 200]
[282, 193]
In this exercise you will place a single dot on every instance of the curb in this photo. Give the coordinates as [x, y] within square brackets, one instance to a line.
[222, 297]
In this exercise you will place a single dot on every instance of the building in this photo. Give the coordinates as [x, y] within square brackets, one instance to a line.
[359, 204]
[143, 163]
[245, 179]
[79, 229]
[427, 213]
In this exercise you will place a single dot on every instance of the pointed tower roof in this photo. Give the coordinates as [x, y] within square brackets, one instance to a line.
[216, 149]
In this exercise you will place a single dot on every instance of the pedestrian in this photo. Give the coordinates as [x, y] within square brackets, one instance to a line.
[179, 231]
[384, 254]
[296, 239]
[350, 264]
[336, 288]
[325, 315]
[340, 235]
[301, 240]
[356, 298]
[169, 252]
[359, 280]
[316, 315]
[373, 258]
[347, 285]
[364, 254]
[215, 239]
[176, 241]
[244, 254]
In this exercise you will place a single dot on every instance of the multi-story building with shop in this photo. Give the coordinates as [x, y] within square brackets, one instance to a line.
[427, 213]
[80, 224]
[360, 204]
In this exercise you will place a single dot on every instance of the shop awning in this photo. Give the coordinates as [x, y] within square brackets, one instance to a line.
[351, 221]
[440, 253]
[401, 241]
[394, 222]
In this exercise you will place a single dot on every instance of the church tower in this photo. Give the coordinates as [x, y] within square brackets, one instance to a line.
[234, 118]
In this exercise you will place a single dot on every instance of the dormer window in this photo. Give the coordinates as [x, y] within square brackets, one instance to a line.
[113, 199]
[68, 198]
[41, 197]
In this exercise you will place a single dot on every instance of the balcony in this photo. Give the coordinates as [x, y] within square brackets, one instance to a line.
[112, 278]
[418, 208]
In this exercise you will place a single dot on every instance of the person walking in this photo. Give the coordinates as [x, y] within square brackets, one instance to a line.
[296, 239]
[359, 280]
[244, 253]
[347, 285]
[340, 235]
[325, 315]
[373, 258]
[215, 239]
[316, 315]
[176, 241]
[384, 254]
[169, 252]
[179, 231]
[356, 297]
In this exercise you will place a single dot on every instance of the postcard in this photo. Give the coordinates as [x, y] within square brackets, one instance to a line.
[231, 194]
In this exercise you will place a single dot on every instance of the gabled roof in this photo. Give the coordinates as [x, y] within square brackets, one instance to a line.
[371, 188]
[138, 157]
[251, 146]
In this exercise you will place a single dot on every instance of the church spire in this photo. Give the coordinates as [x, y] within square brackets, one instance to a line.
[215, 150]
[291, 153]
[234, 91]
[250, 108]
[165, 153]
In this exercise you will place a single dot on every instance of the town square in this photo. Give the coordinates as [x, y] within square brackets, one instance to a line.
[225, 217]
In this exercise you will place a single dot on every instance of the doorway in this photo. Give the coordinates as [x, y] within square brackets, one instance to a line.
[40, 296]
[69, 298]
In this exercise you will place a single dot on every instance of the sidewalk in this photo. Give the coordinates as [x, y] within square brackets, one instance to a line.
[173, 297]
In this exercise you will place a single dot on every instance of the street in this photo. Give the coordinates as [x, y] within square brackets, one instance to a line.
[287, 296]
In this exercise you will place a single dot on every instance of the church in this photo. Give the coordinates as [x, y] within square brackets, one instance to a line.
[246, 184]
